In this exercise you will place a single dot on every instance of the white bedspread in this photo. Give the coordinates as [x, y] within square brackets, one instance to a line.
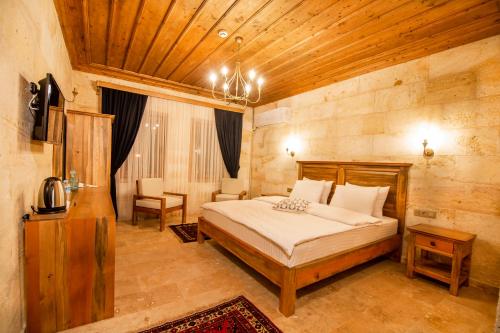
[286, 229]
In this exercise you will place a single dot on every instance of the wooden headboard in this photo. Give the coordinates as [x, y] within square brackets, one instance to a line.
[394, 175]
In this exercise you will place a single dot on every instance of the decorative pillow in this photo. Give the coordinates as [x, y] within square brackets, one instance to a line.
[378, 206]
[291, 205]
[326, 190]
[309, 190]
[359, 198]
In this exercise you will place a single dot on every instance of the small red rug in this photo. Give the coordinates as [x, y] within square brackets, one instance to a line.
[187, 232]
[235, 316]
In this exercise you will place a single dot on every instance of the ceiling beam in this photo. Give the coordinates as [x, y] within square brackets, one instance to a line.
[169, 97]
[160, 83]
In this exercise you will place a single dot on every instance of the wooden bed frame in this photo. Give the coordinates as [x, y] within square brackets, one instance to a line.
[290, 279]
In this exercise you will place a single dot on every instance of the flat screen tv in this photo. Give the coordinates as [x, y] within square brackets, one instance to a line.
[50, 114]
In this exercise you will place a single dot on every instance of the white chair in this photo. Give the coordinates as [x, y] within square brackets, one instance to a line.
[151, 198]
[231, 189]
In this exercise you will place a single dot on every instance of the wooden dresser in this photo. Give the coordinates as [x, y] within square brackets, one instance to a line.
[70, 263]
[452, 246]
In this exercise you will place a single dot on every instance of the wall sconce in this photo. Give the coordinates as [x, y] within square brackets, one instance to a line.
[427, 134]
[292, 146]
[428, 152]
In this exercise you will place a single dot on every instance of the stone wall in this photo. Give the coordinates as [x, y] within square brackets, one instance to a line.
[31, 45]
[379, 116]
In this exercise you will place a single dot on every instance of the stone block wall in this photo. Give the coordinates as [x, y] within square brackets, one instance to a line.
[451, 98]
[31, 44]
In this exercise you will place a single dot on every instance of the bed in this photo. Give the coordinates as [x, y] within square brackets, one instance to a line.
[317, 258]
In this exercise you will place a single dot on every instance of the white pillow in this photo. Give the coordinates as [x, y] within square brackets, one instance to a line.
[326, 190]
[309, 190]
[378, 206]
[356, 198]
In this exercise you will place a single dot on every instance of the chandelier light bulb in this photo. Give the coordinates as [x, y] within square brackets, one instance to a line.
[251, 74]
[260, 81]
[213, 77]
[224, 70]
[248, 88]
[225, 86]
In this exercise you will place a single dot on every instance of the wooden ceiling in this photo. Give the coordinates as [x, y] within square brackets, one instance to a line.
[297, 45]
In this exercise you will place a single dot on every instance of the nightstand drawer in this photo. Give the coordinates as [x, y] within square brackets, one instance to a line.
[433, 243]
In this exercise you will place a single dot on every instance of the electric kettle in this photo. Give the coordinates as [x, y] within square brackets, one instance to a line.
[51, 196]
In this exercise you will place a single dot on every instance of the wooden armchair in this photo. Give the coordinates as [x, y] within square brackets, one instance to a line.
[151, 198]
[231, 189]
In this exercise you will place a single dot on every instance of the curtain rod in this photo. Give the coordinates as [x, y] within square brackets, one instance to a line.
[169, 97]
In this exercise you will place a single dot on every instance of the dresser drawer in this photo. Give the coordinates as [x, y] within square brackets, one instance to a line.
[433, 243]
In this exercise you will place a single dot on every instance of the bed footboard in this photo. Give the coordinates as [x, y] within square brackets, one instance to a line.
[289, 279]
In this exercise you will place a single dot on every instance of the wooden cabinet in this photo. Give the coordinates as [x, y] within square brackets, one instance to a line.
[455, 248]
[70, 263]
[88, 146]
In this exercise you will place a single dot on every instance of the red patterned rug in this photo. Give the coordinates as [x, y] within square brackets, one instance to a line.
[187, 232]
[235, 316]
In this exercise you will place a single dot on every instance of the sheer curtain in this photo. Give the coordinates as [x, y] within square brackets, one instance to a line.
[178, 143]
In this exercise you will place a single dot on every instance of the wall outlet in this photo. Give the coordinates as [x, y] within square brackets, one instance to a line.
[430, 214]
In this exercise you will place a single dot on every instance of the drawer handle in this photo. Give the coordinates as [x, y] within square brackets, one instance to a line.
[433, 243]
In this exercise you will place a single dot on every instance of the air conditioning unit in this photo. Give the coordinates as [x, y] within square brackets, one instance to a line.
[273, 117]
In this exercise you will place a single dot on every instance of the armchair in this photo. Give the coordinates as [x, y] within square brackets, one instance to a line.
[231, 189]
[151, 198]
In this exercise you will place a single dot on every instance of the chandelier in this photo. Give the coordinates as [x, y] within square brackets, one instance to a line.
[235, 88]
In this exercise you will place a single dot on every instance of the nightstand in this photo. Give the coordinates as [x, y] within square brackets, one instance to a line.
[427, 243]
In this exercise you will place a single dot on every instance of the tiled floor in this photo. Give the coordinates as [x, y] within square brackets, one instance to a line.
[158, 279]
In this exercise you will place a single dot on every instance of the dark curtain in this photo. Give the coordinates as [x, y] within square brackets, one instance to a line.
[229, 126]
[128, 109]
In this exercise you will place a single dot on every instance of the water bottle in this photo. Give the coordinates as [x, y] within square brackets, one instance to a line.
[73, 181]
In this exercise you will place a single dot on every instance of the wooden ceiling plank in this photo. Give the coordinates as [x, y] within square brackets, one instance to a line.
[211, 15]
[380, 16]
[361, 7]
[138, 17]
[86, 30]
[242, 11]
[480, 29]
[405, 31]
[98, 27]
[289, 22]
[121, 30]
[296, 44]
[250, 30]
[230, 54]
[418, 44]
[69, 13]
[184, 31]
[153, 41]
[400, 34]
[305, 32]
[384, 63]
[111, 22]
[178, 18]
